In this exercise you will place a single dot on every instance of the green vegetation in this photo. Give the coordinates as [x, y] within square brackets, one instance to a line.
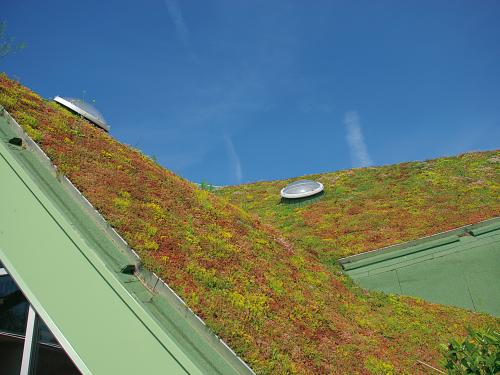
[266, 284]
[206, 186]
[478, 353]
[7, 44]
[369, 208]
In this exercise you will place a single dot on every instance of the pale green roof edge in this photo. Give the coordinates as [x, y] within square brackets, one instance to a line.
[420, 244]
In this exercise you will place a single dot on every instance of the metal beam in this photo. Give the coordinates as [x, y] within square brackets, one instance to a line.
[30, 342]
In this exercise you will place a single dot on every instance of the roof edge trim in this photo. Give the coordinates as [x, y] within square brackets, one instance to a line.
[392, 251]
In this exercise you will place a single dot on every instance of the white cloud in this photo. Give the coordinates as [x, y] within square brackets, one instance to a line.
[357, 145]
[234, 159]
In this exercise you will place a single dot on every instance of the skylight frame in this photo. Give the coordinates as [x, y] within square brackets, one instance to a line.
[305, 194]
[100, 123]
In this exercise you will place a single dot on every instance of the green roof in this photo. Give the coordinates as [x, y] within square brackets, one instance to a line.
[460, 268]
[81, 281]
[264, 276]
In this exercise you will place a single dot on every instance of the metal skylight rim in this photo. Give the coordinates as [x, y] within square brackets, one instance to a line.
[102, 124]
[319, 189]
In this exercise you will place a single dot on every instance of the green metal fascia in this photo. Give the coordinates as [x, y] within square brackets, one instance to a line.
[160, 311]
[485, 229]
[377, 258]
[457, 246]
[459, 267]
[420, 244]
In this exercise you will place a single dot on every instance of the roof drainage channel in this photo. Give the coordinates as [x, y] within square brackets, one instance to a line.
[150, 280]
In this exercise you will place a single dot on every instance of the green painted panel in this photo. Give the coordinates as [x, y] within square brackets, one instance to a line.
[460, 271]
[383, 282]
[482, 269]
[438, 280]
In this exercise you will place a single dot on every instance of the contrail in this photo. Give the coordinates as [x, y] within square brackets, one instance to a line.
[357, 145]
[181, 29]
[234, 158]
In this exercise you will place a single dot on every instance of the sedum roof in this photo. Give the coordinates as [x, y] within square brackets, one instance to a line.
[267, 284]
[369, 208]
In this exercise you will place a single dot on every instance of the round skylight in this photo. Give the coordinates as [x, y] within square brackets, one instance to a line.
[85, 109]
[301, 189]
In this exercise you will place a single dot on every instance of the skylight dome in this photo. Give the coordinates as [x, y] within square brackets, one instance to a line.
[301, 189]
[85, 109]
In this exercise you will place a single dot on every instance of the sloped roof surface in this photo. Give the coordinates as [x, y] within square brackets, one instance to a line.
[369, 208]
[266, 291]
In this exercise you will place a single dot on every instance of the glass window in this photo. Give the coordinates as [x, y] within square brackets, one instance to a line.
[45, 336]
[13, 316]
[11, 354]
[50, 357]
[13, 307]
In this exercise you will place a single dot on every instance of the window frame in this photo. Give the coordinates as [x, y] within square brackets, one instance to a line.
[31, 337]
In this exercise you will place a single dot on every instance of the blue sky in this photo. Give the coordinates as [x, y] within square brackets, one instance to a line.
[236, 91]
